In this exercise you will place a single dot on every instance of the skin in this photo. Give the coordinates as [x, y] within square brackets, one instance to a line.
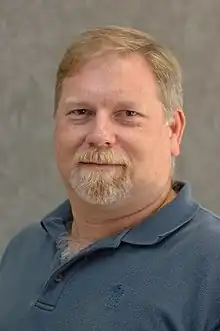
[112, 103]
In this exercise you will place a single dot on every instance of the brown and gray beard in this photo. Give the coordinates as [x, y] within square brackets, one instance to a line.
[102, 187]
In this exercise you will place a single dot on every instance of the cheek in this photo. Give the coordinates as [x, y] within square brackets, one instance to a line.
[64, 151]
[151, 150]
[134, 143]
[66, 139]
[144, 149]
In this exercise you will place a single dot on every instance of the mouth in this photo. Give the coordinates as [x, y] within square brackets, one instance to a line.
[100, 164]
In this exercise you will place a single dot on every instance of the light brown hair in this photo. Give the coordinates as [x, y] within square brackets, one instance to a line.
[123, 41]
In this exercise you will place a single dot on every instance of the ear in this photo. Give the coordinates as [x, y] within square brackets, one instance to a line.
[176, 129]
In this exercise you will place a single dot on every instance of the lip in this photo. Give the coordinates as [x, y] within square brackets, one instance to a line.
[100, 164]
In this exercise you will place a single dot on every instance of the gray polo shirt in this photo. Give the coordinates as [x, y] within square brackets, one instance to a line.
[164, 274]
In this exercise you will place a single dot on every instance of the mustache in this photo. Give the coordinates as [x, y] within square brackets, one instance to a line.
[98, 156]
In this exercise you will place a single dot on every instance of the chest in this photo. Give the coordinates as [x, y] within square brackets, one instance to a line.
[105, 291]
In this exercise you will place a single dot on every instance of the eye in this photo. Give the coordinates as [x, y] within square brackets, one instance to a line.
[126, 113]
[79, 112]
[131, 113]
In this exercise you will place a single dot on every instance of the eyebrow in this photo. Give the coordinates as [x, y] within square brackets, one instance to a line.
[77, 103]
[128, 104]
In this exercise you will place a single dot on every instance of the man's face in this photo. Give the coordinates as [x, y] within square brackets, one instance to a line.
[111, 136]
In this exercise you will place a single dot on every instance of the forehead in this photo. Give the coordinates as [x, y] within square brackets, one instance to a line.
[111, 77]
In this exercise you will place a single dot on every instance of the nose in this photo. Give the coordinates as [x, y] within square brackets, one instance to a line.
[102, 132]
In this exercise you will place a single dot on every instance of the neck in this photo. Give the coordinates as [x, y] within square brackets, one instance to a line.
[92, 223]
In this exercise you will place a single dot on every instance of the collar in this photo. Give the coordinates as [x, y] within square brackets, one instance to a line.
[150, 231]
[58, 222]
[166, 220]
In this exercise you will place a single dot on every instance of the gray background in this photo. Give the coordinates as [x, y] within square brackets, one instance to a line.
[33, 37]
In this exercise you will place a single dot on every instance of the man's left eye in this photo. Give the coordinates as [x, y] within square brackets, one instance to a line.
[126, 113]
[131, 113]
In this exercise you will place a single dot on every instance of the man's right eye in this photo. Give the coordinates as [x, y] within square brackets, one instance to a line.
[79, 112]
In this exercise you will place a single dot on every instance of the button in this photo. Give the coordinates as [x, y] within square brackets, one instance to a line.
[59, 278]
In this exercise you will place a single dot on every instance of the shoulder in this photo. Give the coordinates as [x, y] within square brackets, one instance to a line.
[203, 234]
[39, 237]
[207, 222]
[36, 233]
[30, 233]
[28, 238]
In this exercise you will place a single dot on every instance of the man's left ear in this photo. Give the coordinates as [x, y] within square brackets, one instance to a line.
[176, 128]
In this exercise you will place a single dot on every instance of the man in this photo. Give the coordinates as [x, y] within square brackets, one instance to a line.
[130, 249]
